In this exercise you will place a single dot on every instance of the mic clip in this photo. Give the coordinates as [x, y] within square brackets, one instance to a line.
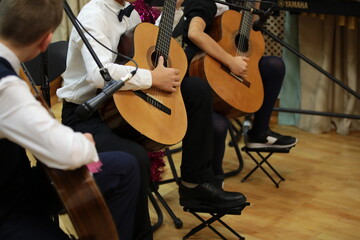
[86, 109]
[259, 23]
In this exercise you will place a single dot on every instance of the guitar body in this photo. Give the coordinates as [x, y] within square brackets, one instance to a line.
[232, 97]
[137, 118]
[84, 203]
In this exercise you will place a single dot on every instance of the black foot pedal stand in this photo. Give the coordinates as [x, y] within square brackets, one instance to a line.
[264, 160]
[216, 215]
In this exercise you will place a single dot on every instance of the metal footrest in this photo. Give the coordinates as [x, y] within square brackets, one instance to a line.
[264, 154]
[215, 215]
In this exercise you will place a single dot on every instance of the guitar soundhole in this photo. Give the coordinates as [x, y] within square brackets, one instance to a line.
[155, 58]
[242, 42]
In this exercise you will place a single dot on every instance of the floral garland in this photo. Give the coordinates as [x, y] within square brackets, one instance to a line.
[157, 165]
[146, 12]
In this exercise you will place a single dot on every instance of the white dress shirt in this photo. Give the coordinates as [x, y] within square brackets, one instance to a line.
[82, 76]
[221, 8]
[24, 121]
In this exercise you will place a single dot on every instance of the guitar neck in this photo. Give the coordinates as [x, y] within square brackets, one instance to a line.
[245, 29]
[247, 19]
[165, 29]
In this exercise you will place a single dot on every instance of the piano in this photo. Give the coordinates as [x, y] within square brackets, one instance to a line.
[332, 7]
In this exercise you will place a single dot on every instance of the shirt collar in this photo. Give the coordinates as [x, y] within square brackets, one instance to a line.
[115, 6]
[10, 57]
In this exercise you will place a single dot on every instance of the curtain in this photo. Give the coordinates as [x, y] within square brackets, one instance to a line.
[334, 46]
[336, 49]
[290, 92]
[63, 31]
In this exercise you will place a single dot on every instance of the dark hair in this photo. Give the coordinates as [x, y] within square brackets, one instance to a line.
[25, 21]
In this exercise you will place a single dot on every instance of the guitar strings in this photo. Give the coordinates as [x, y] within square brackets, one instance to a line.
[245, 29]
[164, 39]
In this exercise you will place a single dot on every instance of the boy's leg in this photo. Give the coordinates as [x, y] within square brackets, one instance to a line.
[119, 182]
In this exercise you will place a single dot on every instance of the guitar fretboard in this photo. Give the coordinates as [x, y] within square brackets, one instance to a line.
[165, 29]
[245, 29]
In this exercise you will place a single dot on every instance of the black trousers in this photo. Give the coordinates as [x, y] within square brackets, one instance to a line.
[118, 180]
[197, 145]
[107, 140]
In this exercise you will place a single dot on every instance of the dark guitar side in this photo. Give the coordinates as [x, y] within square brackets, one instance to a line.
[83, 203]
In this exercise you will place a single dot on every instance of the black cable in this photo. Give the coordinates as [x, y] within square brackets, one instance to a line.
[112, 51]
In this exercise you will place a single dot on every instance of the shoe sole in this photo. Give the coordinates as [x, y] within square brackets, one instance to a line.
[264, 145]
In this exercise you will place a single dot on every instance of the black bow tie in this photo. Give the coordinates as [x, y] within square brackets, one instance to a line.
[126, 11]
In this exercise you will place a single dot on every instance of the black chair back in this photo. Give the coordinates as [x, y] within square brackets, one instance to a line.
[51, 63]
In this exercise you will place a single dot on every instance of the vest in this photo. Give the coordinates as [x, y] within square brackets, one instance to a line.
[15, 170]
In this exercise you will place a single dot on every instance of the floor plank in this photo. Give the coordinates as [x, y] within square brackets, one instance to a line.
[319, 199]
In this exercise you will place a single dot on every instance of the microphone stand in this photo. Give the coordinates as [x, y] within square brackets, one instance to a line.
[86, 109]
[103, 71]
[238, 7]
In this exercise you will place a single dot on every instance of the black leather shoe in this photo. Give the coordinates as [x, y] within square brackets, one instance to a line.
[208, 195]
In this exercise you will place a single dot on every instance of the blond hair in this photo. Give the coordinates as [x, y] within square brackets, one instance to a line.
[26, 21]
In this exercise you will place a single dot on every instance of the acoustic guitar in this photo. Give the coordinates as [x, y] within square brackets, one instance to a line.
[152, 117]
[234, 96]
[78, 192]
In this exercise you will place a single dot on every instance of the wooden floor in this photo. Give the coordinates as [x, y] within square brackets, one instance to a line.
[320, 198]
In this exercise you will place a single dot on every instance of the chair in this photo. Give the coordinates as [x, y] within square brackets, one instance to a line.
[48, 66]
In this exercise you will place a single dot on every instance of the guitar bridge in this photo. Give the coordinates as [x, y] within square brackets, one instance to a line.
[242, 80]
[153, 101]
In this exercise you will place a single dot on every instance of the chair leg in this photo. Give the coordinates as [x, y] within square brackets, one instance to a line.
[168, 153]
[155, 186]
[237, 151]
[177, 221]
[160, 217]
[259, 164]
[215, 217]
[237, 130]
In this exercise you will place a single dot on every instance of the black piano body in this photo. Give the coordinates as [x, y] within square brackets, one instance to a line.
[333, 7]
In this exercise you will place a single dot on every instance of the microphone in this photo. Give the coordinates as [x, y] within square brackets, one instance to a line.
[86, 109]
[258, 24]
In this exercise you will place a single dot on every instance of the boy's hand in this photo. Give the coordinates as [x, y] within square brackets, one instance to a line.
[89, 136]
[164, 78]
[238, 66]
